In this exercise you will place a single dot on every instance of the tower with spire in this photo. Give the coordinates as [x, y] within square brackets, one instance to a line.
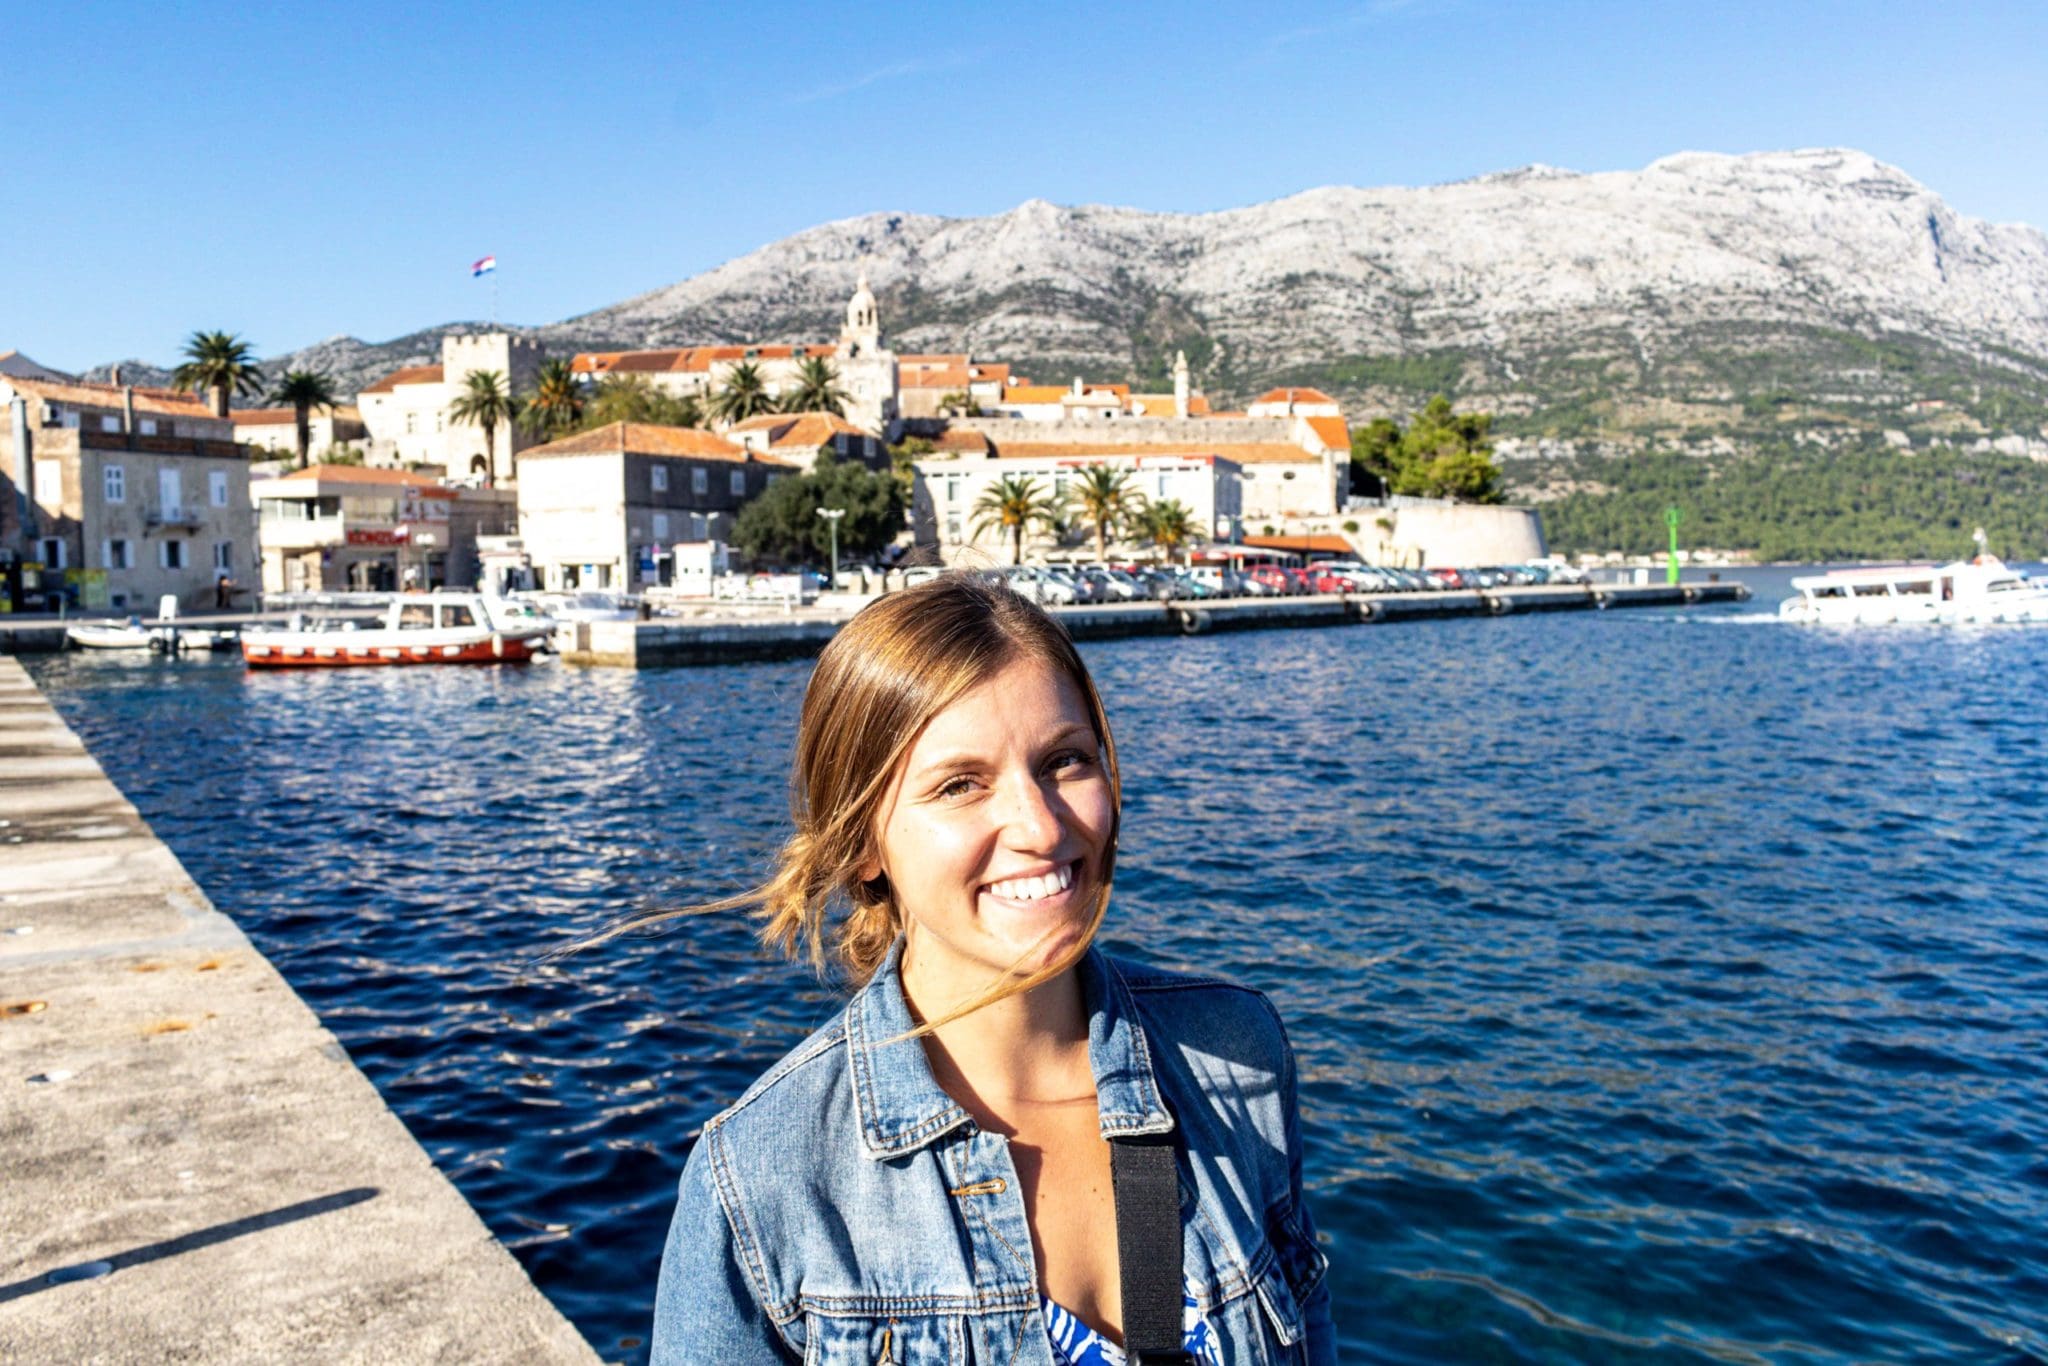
[867, 368]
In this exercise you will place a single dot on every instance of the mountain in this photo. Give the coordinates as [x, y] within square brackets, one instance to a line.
[1702, 296]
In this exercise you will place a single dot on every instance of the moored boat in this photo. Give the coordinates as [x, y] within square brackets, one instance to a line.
[131, 634]
[437, 628]
[1980, 590]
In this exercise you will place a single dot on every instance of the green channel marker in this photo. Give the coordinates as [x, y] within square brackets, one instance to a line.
[1671, 565]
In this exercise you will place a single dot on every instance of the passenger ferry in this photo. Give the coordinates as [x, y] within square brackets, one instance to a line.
[1982, 589]
[436, 628]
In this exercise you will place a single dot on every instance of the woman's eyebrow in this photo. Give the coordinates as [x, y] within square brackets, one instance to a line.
[954, 760]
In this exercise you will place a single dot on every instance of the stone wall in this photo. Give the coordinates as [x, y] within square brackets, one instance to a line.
[1135, 431]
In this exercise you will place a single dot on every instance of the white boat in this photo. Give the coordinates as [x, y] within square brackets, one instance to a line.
[1982, 589]
[420, 628]
[131, 634]
[588, 605]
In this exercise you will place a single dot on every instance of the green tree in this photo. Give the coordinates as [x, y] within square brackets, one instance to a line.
[1376, 453]
[817, 389]
[783, 524]
[1443, 453]
[1103, 498]
[486, 401]
[631, 398]
[1012, 505]
[219, 363]
[1170, 525]
[743, 395]
[554, 406]
[303, 391]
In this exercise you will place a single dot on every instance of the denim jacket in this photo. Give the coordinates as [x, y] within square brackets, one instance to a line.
[846, 1209]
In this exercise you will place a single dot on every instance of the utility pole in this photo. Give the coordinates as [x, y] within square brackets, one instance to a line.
[832, 516]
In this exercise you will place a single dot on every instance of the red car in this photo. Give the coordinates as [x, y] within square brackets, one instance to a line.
[1321, 580]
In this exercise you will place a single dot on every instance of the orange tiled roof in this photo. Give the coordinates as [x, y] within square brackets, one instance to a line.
[1294, 396]
[1333, 430]
[85, 394]
[643, 438]
[934, 359]
[366, 474]
[961, 443]
[936, 377]
[1301, 543]
[1242, 452]
[1033, 393]
[1161, 405]
[411, 374]
[799, 430]
[274, 417]
[1122, 391]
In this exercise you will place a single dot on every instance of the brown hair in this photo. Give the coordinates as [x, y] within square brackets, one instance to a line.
[901, 661]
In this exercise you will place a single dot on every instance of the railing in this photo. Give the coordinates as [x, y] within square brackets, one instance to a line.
[175, 516]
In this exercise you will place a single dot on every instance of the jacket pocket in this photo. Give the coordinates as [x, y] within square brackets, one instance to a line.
[883, 1340]
[1291, 1275]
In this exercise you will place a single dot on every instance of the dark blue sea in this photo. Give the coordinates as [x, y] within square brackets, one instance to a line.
[1669, 984]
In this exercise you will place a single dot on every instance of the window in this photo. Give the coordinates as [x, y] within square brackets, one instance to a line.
[739, 483]
[223, 555]
[114, 555]
[49, 483]
[416, 616]
[217, 487]
[114, 480]
[658, 474]
[661, 528]
[700, 481]
[169, 496]
[148, 425]
[53, 552]
[109, 423]
[170, 554]
[440, 422]
[411, 423]
[697, 526]
[456, 614]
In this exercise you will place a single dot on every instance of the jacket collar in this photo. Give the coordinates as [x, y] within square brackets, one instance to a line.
[901, 1107]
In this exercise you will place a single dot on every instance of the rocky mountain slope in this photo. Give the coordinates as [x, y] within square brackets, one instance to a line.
[1702, 292]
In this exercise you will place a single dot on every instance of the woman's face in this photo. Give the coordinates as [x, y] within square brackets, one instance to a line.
[994, 832]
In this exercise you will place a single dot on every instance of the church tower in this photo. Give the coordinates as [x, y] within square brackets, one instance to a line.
[867, 369]
[1180, 384]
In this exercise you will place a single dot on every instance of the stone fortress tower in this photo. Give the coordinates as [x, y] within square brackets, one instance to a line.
[518, 360]
[867, 369]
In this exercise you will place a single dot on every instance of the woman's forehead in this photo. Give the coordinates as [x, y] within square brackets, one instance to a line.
[1025, 701]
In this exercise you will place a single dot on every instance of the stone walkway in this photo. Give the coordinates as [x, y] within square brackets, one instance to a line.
[191, 1169]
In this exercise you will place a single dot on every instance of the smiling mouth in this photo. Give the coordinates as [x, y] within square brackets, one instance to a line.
[1025, 890]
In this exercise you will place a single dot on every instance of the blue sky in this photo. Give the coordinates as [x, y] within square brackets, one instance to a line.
[321, 169]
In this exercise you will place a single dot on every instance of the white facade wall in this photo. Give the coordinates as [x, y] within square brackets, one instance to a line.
[1306, 488]
[572, 515]
[945, 492]
[409, 423]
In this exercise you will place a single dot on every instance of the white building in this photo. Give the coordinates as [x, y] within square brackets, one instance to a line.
[277, 430]
[353, 528]
[406, 413]
[947, 488]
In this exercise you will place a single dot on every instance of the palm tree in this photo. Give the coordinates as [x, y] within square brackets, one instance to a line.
[743, 395]
[1012, 504]
[486, 401]
[1103, 496]
[817, 389]
[555, 404]
[305, 390]
[219, 362]
[1169, 525]
[631, 398]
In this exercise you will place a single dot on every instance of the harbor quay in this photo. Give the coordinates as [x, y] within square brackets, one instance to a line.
[659, 643]
[194, 1169]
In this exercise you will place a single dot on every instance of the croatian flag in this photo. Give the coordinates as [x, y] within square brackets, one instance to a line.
[483, 267]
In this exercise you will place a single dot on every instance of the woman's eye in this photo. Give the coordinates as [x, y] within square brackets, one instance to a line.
[1067, 761]
[956, 787]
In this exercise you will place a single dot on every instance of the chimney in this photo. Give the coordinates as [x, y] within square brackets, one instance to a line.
[1077, 386]
[1180, 384]
[114, 378]
[128, 411]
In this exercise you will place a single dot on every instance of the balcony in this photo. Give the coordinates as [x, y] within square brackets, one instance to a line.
[167, 517]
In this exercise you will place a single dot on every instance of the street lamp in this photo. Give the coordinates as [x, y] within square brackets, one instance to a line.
[832, 516]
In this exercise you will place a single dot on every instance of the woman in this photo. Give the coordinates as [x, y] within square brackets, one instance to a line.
[928, 1178]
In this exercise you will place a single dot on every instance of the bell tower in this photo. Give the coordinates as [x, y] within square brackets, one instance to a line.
[862, 334]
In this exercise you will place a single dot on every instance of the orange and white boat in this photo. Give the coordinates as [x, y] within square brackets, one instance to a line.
[427, 628]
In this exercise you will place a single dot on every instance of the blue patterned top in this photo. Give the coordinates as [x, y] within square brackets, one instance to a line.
[1074, 1343]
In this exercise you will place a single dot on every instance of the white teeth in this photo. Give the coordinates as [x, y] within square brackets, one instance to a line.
[1035, 888]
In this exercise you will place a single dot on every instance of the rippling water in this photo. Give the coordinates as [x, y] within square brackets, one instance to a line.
[1667, 984]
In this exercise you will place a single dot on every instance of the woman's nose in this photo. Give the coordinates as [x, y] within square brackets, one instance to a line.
[1030, 820]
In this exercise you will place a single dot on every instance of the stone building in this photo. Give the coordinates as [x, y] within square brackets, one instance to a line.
[796, 439]
[406, 417]
[930, 386]
[353, 528]
[277, 430]
[122, 494]
[605, 509]
[866, 368]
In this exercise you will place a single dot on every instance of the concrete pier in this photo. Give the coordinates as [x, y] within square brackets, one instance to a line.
[657, 643]
[194, 1170]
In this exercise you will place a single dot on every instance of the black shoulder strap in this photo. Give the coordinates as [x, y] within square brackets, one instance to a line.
[1148, 1247]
